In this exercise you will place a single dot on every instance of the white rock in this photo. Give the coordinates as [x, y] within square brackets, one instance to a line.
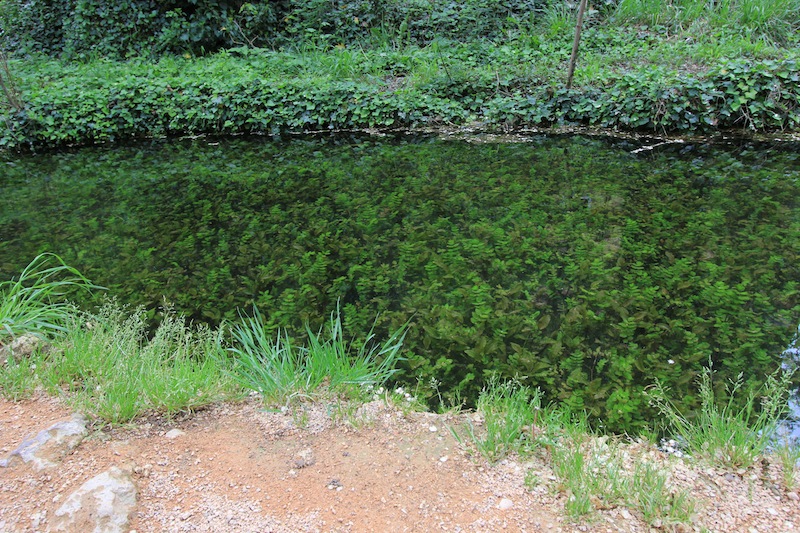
[23, 346]
[101, 505]
[505, 504]
[49, 446]
[174, 433]
[433, 429]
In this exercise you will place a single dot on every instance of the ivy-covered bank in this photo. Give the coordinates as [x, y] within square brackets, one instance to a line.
[242, 94]
[81, 73]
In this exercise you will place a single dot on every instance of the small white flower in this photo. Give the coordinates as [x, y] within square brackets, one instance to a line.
[399, 390]
[671, 361]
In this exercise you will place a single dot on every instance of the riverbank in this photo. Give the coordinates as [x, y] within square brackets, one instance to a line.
[237, 467]
[630, 79]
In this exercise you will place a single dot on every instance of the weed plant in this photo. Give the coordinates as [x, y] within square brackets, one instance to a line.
[776, 20]
[590, 473]
[112, 370]
[728, 432]
[788, 454]
[280, 370]
[509, 411]
[649, 493]
[34, 302]
[17, 378]
[591, 470]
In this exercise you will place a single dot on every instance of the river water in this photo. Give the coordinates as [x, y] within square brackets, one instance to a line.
[589, 267]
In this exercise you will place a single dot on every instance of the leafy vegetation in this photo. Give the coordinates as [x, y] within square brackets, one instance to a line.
[79, 28]
[588, 286]
[227, 95]
[309, 66]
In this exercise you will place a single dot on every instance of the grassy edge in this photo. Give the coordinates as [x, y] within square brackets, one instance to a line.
[107, 365]
[596, 472]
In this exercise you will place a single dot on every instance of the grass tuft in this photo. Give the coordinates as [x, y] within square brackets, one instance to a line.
[509, 412]
[111, 369]
[17, 378]
[787, 450]
[279, 370]
[727, 435]
[34, 302]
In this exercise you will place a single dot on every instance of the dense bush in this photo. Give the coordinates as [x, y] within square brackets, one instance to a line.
[136, 27]
[131, 27]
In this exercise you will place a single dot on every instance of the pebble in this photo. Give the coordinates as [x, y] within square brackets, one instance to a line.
[174, 434]
[505, 504]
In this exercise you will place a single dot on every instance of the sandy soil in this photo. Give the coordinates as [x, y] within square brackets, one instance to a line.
[240, 468]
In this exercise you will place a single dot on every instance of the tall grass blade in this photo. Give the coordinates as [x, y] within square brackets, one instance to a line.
[34, 302]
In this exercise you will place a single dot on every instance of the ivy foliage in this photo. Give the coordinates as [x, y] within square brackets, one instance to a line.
[568, 263]
[233, 94]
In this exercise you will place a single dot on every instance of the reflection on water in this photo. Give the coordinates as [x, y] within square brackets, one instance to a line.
[790, 429]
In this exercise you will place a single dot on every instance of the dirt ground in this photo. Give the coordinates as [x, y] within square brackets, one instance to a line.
[240, 468]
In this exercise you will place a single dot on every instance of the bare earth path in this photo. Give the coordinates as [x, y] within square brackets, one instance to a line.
[239, 468]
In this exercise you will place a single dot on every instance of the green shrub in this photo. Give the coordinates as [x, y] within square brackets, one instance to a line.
[87, 28]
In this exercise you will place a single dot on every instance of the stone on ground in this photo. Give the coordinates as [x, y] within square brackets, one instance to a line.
[49, 446]
[101, 505]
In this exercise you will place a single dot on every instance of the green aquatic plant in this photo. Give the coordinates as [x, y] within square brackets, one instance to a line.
[581, 267]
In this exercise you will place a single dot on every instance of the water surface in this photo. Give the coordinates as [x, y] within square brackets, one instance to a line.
[572, 263]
